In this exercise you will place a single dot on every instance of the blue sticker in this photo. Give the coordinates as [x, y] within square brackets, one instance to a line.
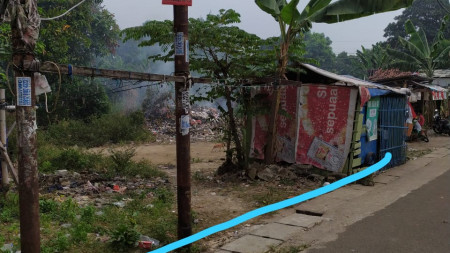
[23, 85]
[179, 43]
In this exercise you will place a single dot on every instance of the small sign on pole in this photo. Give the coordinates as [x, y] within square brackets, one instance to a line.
[23, 85]
[179, 43]
[178, 2]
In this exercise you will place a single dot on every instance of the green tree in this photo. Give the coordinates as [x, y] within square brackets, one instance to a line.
[217, 49]
[421, 55]
[427, 14]
[87, 32]
[293, 22]
[318, 47]
[78, 38]
[370, 60]
[347, 65]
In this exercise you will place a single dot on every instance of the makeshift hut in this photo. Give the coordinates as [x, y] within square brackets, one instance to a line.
[329, 121]
[425, 96]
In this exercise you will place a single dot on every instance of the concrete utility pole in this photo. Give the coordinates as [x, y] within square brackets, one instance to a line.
[181, 23]
[25, 22]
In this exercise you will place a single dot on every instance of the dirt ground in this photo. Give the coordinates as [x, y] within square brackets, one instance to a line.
[215, 200]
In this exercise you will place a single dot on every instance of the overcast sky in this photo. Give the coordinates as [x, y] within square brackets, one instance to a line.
[346, 36]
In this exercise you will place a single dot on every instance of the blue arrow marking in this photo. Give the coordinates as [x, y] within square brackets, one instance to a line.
[276, 206]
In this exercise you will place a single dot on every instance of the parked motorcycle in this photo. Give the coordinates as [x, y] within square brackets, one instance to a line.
[440, 126]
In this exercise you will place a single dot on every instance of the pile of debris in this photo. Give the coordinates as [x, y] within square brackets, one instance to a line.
[205, 124]
[94, 189]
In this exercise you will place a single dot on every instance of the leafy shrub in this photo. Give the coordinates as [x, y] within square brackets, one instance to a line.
[98, 131]
[9, 207]
[122, 158]
[124, 237]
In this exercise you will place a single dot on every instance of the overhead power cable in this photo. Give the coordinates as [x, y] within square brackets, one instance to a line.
[65, 13]
[443, 6]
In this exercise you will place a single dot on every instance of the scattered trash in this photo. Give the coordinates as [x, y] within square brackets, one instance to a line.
[66, 225]
[7, 247]
[120, 204]
[326, 183]
[146, 242]
[62, 173]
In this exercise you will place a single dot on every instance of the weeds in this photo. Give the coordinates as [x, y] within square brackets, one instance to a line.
[109, 128]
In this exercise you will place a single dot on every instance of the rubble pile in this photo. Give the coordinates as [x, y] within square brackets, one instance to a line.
[205, 122]
[94, 189]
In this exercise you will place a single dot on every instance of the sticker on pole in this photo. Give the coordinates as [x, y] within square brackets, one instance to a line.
[187, 50]
[185, 124]
[179, 43]
[23, 85]
[178, 2]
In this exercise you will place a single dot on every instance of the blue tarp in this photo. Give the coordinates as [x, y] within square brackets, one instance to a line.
[378, 92]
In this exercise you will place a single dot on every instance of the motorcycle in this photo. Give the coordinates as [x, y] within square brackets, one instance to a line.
[440, 126]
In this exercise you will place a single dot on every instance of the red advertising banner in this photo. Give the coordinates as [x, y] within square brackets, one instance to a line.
[325, 117]
[178, 2]
[287, 124]
[260, 123]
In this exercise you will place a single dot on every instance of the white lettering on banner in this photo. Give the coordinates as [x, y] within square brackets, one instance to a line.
[331, 120]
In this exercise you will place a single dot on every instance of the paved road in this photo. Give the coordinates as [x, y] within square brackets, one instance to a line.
[418, 222]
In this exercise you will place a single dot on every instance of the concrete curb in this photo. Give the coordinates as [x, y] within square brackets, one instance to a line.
[396, 182]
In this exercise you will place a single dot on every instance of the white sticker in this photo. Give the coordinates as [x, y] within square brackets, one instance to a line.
[185, 124]
[179, 43]
[187, 50]
[23, 85]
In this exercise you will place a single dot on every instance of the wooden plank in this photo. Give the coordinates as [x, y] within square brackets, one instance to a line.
[10, 166]
[356, 162]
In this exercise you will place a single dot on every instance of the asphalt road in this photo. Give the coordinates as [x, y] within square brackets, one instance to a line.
[418, 222]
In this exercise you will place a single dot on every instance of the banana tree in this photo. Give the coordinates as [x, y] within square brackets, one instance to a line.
[419, 54]
[292, 22]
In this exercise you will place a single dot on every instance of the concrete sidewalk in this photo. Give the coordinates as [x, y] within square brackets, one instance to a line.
[321, 219]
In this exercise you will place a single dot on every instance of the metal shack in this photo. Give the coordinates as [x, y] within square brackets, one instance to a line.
[332, 122]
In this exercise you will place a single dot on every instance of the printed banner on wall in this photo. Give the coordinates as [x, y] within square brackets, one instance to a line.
[260, 123]
[372, 118]
[287, 124]
[327, 113]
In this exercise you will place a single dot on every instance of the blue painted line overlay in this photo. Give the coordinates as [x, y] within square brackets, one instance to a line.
[276, 206]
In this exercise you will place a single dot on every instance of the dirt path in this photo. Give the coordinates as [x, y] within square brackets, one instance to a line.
[166, 153]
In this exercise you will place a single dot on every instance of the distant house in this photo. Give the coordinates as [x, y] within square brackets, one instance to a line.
[425, 96]
[441, 77]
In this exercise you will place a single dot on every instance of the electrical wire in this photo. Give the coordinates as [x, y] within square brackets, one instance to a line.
[59, 89]
[443, 6]
[65, 13]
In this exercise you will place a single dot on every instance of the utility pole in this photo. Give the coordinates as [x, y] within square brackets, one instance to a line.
[25, 22]
[181, 23]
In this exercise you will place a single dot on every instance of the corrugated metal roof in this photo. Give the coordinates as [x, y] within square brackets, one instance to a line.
[441, 73]
[350, 81]
[432, 87]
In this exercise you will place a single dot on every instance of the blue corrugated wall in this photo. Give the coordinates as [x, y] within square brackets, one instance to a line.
[392, 120]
